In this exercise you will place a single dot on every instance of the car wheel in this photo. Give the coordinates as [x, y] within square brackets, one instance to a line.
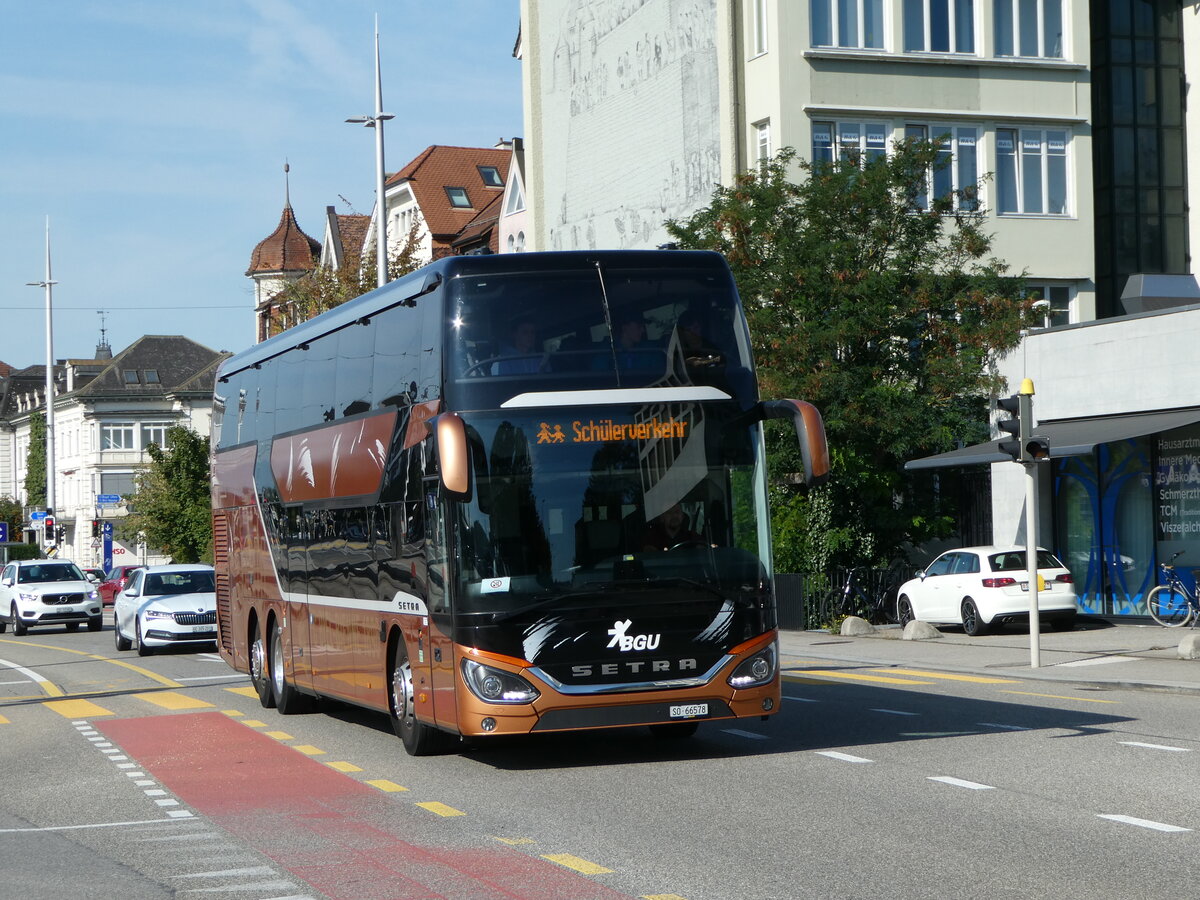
[96, 623]
[418, 738]
[20, 629]
[3, 625]
[123, 643]
[971, 622]
[288, 700]
[904, 611]
[143, 650]
[259, 676]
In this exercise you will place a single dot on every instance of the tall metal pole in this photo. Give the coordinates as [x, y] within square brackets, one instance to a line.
[1031, 522]
[376, 121]
[48, 284]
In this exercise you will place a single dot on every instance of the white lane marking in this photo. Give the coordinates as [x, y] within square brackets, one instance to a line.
[179, 813]
[83, 827]
[19, 681]
[1156, 746]
[229, 873]
[155, 792]
[801, 699]
[1003, 727]
[844, 757]
[745, 734]
[1144, 823]
[28, 673]
[958, 782]
[1096, 661]
[167, 802]
[230, 678]
[895, 712]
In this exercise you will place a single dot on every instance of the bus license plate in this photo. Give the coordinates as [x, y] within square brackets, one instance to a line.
[689, 711]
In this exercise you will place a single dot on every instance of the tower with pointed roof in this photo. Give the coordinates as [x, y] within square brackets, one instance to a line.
[281, 258]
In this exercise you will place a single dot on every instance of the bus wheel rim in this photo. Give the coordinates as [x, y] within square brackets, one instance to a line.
[402, 691]
[257, 659]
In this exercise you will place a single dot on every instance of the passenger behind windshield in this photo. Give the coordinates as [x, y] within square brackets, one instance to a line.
[670, 530]
[521, 355]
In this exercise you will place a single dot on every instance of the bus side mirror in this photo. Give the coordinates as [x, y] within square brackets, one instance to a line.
[810, 432]
[454, 456]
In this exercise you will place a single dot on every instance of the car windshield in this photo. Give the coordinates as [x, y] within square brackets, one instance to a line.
[179, 583]
[1014, 561]
[47, 572]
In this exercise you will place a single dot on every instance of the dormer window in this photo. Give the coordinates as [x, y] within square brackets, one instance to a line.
[491, 176]
[458, 197]
[131, 376]
[151, 376]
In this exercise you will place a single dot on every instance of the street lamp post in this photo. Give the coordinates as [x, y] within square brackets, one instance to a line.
[376, 121]
[48, 284]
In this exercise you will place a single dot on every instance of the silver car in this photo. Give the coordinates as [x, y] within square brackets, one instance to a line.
[165, 606]
[47, 592]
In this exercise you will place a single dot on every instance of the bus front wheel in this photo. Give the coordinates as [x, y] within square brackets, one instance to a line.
[418, 739]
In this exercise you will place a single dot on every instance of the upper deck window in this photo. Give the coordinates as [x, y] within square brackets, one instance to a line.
[458, 197]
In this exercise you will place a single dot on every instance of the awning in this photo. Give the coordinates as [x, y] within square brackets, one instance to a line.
[1069, 437]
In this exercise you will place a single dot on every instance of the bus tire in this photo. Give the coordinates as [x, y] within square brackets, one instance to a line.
[288, 700]
[418, 738]
[260, 677]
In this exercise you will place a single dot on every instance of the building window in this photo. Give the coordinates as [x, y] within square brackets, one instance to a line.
[1029, 28]
[1031, 171]
[458, 197]
[1052, 302]
[116, 436]
[762, 131]
[856, 24]
[155, 433]
[491, 176]
[515, 202]
[120, 483]
[131, 376]
[150, 376]
[759, 27]
[939, 26]
[957, 171]
[865, 141]
[520, 241]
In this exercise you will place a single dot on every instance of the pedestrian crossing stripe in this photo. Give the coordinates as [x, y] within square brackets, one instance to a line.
[976, 679]
[858, 676]
[77, 709]
[173, 700]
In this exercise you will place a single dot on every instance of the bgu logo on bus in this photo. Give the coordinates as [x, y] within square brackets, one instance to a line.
[629, 641]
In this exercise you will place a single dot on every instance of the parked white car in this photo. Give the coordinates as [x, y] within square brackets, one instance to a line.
[47, 592]
[978, 587]
[165, 606]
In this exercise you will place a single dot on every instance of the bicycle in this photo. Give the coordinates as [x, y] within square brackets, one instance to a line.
[852, 599]
[1172, 605]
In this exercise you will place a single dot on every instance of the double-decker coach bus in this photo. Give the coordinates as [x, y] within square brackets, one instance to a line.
[507, 494]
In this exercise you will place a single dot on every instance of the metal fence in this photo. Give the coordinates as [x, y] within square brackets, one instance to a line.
[799, 597]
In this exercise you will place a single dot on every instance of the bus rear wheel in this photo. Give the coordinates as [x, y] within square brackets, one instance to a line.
[288, 700]
[418, 738]
[259, 676]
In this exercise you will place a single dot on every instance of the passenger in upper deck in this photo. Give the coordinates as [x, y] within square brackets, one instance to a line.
[634, 352]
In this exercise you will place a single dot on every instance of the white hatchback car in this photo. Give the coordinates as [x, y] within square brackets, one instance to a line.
[978, 587]
[47, 592]
[164, 606]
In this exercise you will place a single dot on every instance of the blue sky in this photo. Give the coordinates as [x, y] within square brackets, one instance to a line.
[153, 133]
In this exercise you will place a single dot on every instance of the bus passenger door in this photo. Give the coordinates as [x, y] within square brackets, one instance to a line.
[441, 632]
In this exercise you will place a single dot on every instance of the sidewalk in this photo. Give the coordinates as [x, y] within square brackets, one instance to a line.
[1094, 654]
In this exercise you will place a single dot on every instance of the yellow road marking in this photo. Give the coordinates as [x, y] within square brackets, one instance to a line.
[343, 766]
[279, 735]
[515, 842]
[309, 750]
[856, 676]
[4, 720]
[441, 808]
[153, 676]
[173, 700]
[49, 688]
[976, 679]
[384, 785]
[1060, 697]
[574, 862]
[232, 713]
[77, 709]
[796, 679]
[253, 723]
[244, 691]
[662, 897]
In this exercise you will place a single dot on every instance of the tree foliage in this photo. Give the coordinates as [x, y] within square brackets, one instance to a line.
[35, 461]
[325, 288]
[882, 308]
[172, 504]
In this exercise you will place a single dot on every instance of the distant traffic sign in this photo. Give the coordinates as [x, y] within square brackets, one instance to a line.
[3, 532]
[36, 516]
[108, 499]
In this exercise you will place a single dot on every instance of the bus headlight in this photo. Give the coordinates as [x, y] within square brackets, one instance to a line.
[495, 685]
[759, 669]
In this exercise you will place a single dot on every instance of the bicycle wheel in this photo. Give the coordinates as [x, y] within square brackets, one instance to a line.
[1168, 606]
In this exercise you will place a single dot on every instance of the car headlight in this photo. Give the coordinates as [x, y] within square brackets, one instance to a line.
[158, 614]
[495, 685]
[93, 595]
[757, 670]
[28, 598]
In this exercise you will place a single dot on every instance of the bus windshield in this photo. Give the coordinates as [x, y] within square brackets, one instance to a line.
[608, 326]
[573, 502]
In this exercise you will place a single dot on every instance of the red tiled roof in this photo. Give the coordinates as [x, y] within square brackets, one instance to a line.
[437, 168]
[287, 249]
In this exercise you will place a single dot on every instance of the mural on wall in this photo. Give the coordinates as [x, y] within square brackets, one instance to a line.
[629, 118]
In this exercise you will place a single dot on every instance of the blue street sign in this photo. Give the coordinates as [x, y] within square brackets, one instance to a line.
[3, 532]
[36, 516]
[108, 499]
[106, 529]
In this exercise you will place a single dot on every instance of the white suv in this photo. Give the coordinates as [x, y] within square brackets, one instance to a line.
[47, 592]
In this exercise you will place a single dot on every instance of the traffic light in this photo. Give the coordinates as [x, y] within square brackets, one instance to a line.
[50, 529]
[1015, 425]
[61, 534]
[95, 528]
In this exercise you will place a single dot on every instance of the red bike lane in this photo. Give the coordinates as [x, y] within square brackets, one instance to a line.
[333, 832]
